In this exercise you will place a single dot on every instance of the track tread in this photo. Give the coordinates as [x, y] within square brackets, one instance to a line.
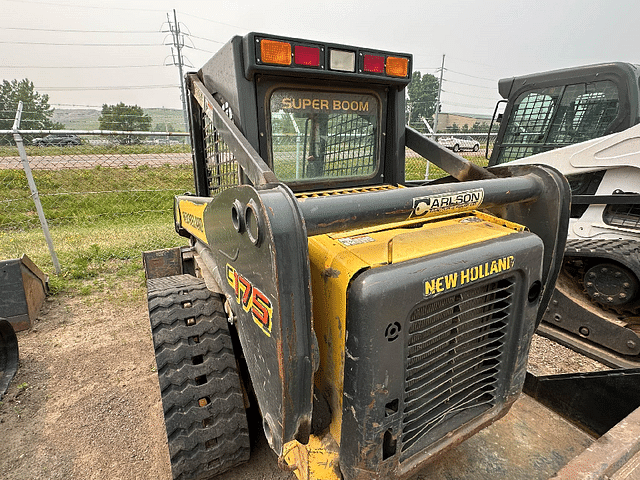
[624, 252]
[192, 341]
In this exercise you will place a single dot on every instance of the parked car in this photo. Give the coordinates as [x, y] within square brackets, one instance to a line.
[458, 144]
[60, 140]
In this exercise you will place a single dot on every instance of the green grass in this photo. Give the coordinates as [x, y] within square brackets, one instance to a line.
[100, 219]
[93, 195]
[415, 167]
[85, 149]
[88, 252]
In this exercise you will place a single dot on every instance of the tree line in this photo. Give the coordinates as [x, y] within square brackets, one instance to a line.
[422, 95]
[37, 113]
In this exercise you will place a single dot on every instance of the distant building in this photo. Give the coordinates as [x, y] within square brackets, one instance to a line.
[446, 121]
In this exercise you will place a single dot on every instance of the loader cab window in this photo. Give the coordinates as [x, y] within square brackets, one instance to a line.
[320, 135]
[553, 117]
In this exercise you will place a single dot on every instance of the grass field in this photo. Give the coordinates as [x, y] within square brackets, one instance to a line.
[415, 167]
[90, 252]
[107, 149]
[101, 219]
[91, 195]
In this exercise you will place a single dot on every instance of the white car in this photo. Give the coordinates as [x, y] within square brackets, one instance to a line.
[458, 144]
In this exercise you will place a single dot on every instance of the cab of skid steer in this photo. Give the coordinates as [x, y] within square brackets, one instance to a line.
[321, 115]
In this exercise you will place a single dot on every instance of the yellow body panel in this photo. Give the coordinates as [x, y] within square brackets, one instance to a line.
[317, 460]
[336, 258]
[191, 218]
[332, 267]
[416, 238]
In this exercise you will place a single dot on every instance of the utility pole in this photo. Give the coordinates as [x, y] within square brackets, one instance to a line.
[435, 119]
[178, 43]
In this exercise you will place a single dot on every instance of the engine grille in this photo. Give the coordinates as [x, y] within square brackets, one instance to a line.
[454, 357]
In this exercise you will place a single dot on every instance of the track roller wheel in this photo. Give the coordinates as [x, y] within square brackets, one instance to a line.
[611, 285]
[201, 394]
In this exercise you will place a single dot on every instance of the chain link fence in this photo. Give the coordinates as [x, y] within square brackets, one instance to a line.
[290, 155]
[475, 147]
[110, 194]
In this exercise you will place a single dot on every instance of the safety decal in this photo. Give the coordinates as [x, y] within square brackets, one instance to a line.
[351, 241]
[252, 299]
[467, 275]
[448, 202]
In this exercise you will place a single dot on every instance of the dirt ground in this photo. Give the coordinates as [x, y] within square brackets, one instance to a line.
[85, 402]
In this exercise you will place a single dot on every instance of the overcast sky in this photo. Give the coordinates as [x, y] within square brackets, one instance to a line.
[87, 53]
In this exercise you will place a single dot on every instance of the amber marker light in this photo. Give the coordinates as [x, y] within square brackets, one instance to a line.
[397, 67]
[272, 51]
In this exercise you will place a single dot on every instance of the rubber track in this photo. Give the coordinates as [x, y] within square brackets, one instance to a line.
[192, 342]
[9, 356]
[624, 252]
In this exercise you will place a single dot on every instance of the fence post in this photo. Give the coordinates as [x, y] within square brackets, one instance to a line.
[32, 186]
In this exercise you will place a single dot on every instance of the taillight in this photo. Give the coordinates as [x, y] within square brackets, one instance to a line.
[373, 63]
[309, 56]
[300, 55]
[397, 66]
[272, 51]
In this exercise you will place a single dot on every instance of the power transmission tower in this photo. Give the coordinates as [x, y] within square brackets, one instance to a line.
[177, 59]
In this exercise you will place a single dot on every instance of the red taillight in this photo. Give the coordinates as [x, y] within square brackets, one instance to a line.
[373, 63]
[309, 56]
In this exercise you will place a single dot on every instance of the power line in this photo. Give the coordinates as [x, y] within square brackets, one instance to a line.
[95, 7]
[469, 84]
[420, 69]
[476, 63]
[202, 50]
[199, 17]
[56, 30]
[121, 87]
[469, 96]
[83, 67]
[55, 44]
[473, 76]
[206, 39]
